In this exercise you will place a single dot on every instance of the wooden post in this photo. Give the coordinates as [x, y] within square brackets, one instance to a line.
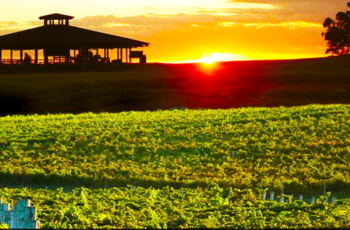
[67, 56]
[46, 58]
[11, 56]
[36, 57]
[21, 56]
[127, 56]
[117, 53]
[121, 54]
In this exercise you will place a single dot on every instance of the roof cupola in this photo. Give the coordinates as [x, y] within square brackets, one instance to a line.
[56, 19]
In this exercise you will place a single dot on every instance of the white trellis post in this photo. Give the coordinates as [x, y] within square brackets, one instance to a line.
[21, 216]
[282, 194]
[312, 200]
[333, 200]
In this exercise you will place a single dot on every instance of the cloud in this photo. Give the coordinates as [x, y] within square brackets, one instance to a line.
[306, 10]
[8, 24]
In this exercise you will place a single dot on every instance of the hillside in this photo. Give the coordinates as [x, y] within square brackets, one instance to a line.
[166, 86]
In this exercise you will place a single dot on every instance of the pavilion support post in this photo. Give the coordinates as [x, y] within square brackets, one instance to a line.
[21, 56]
[121, 54]
[97, 51]
[126, 54]
[108, 54]
[46, 58]
[0, 56]
[129, 55]
[117, 53]
[36, 57]
[11, 56]
[67, 57]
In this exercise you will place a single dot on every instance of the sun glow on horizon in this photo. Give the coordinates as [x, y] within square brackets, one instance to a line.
[221, 57]
[209, 58]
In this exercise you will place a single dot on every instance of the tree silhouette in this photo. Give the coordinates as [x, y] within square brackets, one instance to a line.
[337, 33]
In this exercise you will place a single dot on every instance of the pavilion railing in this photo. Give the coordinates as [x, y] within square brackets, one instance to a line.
[72, 60]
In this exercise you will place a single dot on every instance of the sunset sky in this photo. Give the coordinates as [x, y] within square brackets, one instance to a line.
[189, 30]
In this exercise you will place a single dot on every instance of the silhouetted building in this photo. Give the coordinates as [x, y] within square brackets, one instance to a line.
[61, 43]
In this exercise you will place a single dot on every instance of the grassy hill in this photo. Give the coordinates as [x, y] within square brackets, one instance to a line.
[166, 86]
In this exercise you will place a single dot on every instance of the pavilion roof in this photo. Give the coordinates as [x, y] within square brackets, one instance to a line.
[56, 16]
[65, 36]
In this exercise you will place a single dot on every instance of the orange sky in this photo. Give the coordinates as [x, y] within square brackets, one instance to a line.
[186, 30]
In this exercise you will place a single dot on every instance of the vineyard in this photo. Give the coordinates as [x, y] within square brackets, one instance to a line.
[168, 155]
[169, 208]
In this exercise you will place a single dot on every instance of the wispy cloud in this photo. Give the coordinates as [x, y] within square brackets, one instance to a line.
[7, 24]
[290, 25]
[307, 10]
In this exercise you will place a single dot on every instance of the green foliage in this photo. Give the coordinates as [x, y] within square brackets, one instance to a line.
[4, 226]
[229, 156]
[255, 148]
[166, 208]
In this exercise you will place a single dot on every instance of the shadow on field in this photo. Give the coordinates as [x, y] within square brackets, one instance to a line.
[68, 182]
[12, 105]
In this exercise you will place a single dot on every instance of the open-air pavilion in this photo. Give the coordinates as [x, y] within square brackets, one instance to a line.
[58, 42]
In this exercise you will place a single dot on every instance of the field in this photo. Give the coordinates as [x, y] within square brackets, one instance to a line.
[140, 208]
[251, 149]
[194, 160]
